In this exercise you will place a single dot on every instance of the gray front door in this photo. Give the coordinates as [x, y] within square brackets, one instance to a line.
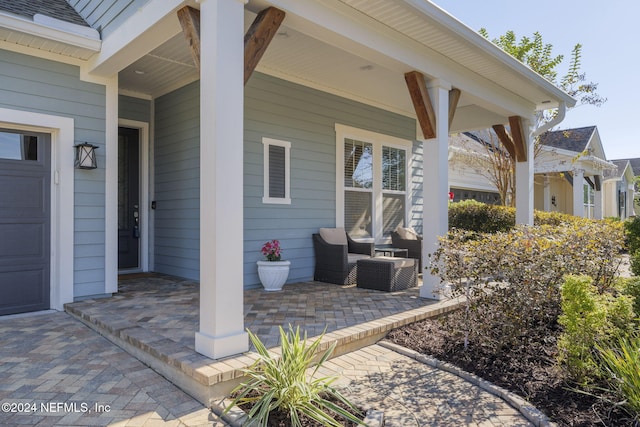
[25, 187]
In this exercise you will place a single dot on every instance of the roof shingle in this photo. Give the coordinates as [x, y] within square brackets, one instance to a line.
[58, 9]
[570, 139]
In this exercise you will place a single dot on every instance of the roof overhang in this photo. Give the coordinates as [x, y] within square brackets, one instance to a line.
[50, 35]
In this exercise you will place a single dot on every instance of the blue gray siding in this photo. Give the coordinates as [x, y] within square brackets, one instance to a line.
[134, 109]
[177, 182]
[306, 117]
[33, 84]
[106, 15]
[275, 109]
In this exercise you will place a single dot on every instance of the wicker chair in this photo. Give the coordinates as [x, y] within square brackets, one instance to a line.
[413, 246]
[337, 263]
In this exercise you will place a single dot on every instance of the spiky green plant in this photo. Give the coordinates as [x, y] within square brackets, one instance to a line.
[281, 383]
[621, 361]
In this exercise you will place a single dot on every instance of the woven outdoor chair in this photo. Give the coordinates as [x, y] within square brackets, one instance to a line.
[337, 263]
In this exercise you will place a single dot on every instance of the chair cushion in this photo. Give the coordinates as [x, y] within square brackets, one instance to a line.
[407, 233]
[397, 262]
[334, 236]
[353, 258]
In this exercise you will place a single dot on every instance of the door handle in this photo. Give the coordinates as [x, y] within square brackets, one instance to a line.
[136, 222]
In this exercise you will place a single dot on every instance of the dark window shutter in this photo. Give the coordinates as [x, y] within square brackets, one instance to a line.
[277, 168]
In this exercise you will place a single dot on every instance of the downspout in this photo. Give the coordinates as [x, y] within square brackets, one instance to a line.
[562, 110]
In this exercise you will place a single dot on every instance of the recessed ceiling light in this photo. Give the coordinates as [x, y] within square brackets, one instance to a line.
[547, 101]
[139, 72]
[284, 34]
[368, 67]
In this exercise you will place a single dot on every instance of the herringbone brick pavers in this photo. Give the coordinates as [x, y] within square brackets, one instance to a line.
[56, 371]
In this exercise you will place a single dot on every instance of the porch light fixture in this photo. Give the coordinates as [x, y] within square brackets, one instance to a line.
[86, 156]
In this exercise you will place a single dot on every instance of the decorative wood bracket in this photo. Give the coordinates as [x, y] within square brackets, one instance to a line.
[454, 97]
[519, 140]
[421, 103]
[598, 183]
[256, 40]
[190, 22]
[505, 139]
[258, 37]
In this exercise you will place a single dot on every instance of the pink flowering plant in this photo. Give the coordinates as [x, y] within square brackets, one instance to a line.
[271, 250]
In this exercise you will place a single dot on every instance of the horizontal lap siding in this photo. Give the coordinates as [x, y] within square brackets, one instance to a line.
[134, 109]
[305, 117]
[275, 109]
[33, 84]
[106, 15]
[177, 182]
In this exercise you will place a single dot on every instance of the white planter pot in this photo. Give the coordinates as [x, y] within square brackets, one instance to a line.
[273, 274]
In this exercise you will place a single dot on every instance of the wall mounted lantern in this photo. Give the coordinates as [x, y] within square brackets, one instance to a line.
[86, 156]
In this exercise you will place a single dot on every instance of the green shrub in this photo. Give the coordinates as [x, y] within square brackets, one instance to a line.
[632, 234]
[631, 287]
[634, 259]
[589, 316]
[281, 383]
[480, 217]
[512, 279]
[620, 361]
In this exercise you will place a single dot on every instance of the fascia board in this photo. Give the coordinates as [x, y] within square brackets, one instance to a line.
[53, 29]
[337, 24]
[470, 36]
[149, 27]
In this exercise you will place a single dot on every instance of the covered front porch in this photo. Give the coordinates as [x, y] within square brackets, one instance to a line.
[154, 317]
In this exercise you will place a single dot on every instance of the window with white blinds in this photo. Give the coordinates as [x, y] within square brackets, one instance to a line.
[372, 183]
[276, 171]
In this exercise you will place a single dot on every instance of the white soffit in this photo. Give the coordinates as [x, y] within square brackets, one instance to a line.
[50, 35]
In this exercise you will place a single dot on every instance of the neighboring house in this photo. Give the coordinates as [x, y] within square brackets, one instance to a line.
[569, 171]
[468, 168]
[196, 169]
[620, 190]
[635, 167]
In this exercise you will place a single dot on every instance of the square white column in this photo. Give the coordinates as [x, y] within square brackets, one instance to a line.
[435, 188]
[525, 183]
[221, 331]
[578, 192]
[597, 205]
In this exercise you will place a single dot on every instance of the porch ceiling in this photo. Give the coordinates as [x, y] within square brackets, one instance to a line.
[308, 54]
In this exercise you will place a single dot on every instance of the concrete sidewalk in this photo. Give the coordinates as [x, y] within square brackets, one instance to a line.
[57, 371]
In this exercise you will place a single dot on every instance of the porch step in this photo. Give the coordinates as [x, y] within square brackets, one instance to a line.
[208, 380]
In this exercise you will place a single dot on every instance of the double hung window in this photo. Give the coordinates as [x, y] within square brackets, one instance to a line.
[372, 179]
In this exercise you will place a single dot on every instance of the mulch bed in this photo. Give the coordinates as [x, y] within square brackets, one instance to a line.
[529, 371]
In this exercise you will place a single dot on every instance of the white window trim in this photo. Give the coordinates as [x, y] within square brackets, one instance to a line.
[286, 200]
[377, 140]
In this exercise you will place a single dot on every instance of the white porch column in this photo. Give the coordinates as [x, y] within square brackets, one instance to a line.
[578, 192]
[597, 204]
[221, 200]
[525, 183]
[435, 187]
[547, 194]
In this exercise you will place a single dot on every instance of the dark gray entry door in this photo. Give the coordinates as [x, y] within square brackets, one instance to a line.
[128, 198]
[25, 221]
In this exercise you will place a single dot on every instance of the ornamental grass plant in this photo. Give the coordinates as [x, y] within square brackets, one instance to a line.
[281, 385]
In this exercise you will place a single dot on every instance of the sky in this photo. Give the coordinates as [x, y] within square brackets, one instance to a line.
[608, 33]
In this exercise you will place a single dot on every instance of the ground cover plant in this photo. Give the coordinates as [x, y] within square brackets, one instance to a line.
[279, 392]
[541, 301]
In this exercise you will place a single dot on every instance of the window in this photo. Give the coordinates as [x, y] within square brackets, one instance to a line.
[588, 200]
[371, 189]
[18, 146]
[276, 171]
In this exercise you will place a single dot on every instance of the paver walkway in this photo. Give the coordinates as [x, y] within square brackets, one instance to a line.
[66, 369]
[412, 394]
[75, 377]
